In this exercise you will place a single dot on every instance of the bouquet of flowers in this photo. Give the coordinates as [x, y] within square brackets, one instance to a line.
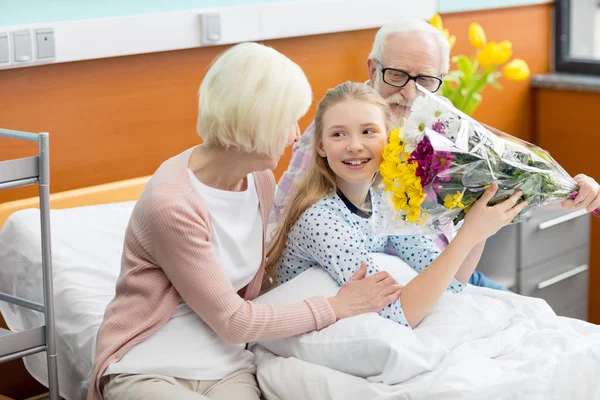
[440, 163]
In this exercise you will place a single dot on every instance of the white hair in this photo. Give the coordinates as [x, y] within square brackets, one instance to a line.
[408, 26]
[250, 98]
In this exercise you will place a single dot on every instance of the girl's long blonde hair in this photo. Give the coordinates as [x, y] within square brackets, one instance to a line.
[320, 179]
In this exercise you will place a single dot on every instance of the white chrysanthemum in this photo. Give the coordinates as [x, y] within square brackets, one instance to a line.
[422, 117]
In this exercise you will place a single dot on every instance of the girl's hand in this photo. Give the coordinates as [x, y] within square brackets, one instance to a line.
[483, 221]
[363, 295]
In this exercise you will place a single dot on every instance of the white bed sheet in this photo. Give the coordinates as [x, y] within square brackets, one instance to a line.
[87, 244]
[545, 357]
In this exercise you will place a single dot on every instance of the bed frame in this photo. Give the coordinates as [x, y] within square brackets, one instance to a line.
[36, 170]
[24, 172]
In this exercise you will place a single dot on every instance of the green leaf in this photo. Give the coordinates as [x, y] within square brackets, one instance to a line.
[492, 80]
[453, 76]
[447, 90]
[481, 82]
[464, 65]
[472, 103]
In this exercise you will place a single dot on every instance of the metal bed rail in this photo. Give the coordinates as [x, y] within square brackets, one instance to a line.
[16, 173]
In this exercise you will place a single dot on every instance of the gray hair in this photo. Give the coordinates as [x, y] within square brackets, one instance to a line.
[408, 26]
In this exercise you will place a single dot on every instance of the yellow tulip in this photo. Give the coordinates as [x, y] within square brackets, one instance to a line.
[504, 52]
[451, 41]
[516, 70]
[437, 22]
[487, 55]
[477, 35]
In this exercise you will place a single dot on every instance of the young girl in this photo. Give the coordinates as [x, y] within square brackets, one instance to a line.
[332, 218]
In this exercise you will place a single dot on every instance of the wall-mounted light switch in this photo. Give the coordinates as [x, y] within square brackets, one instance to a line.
[22, 46]
[44, 40]
[210, 25]
[4, 49]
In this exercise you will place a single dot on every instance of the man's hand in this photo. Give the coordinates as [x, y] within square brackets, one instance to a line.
[588, 197]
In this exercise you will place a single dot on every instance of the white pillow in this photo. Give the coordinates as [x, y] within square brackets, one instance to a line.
[380, 350]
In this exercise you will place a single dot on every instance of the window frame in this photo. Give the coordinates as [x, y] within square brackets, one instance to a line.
[563, 62]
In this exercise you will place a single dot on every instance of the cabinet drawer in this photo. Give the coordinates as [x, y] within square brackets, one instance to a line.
[577, 311]
[562, 281]
[548, 234]
[499, 258]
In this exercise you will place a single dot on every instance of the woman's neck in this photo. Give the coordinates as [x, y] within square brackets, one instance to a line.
[356, 193]
[225, 169]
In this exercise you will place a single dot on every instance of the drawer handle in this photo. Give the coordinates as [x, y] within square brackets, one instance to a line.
[563, 218]
[561, 277]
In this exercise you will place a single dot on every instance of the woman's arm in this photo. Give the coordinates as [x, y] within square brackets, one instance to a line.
[322, 236]
[181, 246]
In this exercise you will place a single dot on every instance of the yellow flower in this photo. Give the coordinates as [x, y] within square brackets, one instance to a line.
[389, 172]
[453, 200]
[413, 215]
[391, 153]
[437, 22]
[487, 55]
[477, 35]
[516, 70]
[504, 52]
[395, 137]
[399, 200]
[450, 38]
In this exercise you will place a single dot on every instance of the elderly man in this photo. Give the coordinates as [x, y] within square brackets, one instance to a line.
[405, 53]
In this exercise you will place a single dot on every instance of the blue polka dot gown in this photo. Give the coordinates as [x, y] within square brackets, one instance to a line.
[329, 235]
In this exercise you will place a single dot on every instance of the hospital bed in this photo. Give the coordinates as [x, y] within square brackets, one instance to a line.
[486, 344]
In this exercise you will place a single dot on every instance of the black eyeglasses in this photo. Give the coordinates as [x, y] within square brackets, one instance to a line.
[398, 78]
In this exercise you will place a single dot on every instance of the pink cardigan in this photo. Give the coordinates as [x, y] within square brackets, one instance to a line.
[168, 256]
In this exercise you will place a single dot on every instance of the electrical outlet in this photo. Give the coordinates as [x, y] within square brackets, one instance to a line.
[44, 39]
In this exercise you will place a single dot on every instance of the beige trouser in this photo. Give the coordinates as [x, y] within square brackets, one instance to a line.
[241, 385]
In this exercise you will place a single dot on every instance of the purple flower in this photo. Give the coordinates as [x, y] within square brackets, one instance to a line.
[438, 127]
[440, 164]
[423, 156]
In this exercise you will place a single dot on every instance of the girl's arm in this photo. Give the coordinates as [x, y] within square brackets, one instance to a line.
[418, 252]
[422, 292]
[468, 266]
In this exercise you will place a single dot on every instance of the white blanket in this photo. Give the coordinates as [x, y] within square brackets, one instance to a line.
[529, 354]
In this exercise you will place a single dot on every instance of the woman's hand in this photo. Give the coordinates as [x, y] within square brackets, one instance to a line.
[483, 221]
[363, 295]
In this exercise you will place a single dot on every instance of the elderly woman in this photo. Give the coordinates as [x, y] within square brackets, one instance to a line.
[194, 251]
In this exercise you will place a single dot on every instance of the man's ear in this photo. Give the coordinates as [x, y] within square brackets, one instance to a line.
[372, 69]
